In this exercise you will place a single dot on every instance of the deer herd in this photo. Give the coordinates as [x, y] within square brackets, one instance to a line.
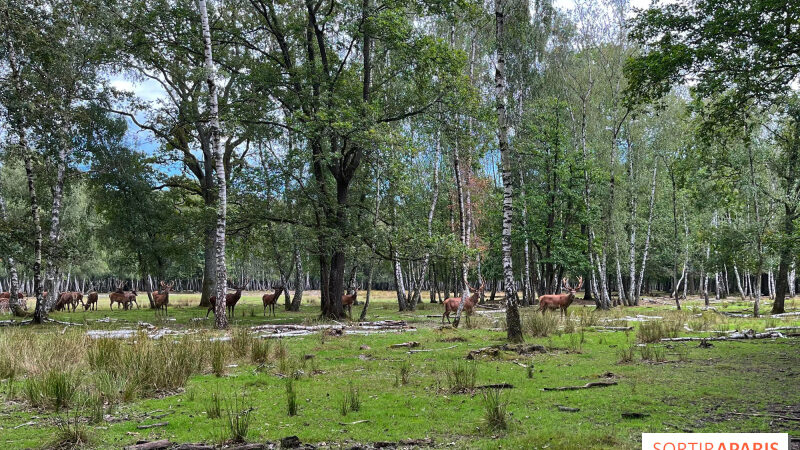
[160, 299]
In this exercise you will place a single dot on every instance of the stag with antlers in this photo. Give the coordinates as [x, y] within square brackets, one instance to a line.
[560, 301]
[230, 300]
[161, 298]
[451, 304]
[269, 300]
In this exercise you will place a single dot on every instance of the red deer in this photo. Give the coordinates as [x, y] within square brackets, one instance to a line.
[230, 301]
[451, 304]
[7, 295]
[68, 300]
[91, 301]
[269, 300]
[161, 298]
[560, 301]
[348, 300]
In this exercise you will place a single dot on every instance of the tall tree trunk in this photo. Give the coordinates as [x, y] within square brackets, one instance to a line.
[298, 281]
[54, 236]
[220, 317]
[398, 282]
[363, 316]
[646, 249]
[16, 305]
[209, 266]
[513, 324]
[40, 313]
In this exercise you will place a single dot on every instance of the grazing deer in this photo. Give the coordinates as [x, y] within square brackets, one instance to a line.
[68, 300]
[230, 301]
[560, 301]
[91, 301]
[161, 298]
[451, 304]
[130, 297]
[269, 300]
[7, 295]
[348, 300]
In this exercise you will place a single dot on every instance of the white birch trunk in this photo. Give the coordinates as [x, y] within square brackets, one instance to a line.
[647, 235]
[220, 317]
[513, 325]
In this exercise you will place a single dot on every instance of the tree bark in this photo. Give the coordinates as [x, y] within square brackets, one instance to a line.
[298, 282]
[513, 324]
[16, 305]
[220, 316]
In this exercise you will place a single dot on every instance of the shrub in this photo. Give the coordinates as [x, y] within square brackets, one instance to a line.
[70, 433]
[540, 325]
[461, 376]
[494, 407]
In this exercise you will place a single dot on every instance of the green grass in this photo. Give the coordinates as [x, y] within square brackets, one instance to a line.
[681, 385]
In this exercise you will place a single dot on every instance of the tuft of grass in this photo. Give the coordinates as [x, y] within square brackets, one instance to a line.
[655, 330]
[238, 418]
[259, 351]
[654, 353]
[530, 370]
[626, 353]
[291, 398]
[540, 325]
[461, 376]
[70, 433]
[95, 408]
[214, 405]
[403, 372]
[351, 400]
[54, 389]
[494, 407]
[218, 357]
[241, 342]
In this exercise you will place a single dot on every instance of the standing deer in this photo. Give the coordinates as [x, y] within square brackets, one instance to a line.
[560, 301]
[161, 298]
[269, 300]
[451, 304]
[91, 301]
[348, 300]
[7, 295]
[230, 301]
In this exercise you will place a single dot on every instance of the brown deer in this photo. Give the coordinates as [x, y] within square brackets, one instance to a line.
[7, 295]
[230, 301]
[560, 301]
[348, 300]
[68, 300]
[161, 298]
[451, 304]
[269, 300]
[91, 301]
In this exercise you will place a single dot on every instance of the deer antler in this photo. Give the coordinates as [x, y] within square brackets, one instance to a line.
[565, 283]
[580, 283]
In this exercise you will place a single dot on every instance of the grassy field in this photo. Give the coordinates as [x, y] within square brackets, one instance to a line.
[62, 387]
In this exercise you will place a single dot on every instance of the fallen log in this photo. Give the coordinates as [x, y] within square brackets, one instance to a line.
[775, 416]
[194, 447]
[496, 349]
[748, 334]
[496, 386]
[567, 408]
[782, 328]
[153, 445]
[411, 344]
[585, 386]
[432, 349]
[153, 425]
[789, 314]
[353, 423]
[616, 328]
